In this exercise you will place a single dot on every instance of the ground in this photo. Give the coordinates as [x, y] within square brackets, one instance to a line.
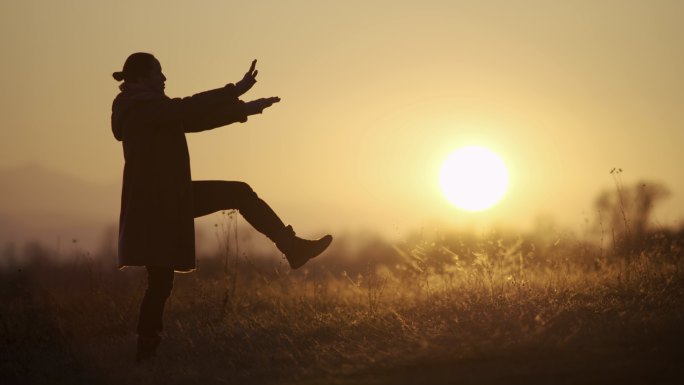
[489, 319]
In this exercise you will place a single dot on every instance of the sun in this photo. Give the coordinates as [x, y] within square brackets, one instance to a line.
[473, 178]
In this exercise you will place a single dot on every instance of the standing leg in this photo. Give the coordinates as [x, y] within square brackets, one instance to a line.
[150, 323]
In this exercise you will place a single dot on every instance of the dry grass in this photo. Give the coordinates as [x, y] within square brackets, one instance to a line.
[445, 310]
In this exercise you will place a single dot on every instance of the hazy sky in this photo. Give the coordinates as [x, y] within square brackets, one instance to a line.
[375, 94]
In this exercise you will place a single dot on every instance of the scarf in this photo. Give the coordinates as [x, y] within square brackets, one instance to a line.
[131, 94]
[137, 91]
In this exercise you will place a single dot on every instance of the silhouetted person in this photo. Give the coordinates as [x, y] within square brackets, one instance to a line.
[159, 200]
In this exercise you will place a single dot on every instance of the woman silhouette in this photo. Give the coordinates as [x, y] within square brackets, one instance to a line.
[159, 199]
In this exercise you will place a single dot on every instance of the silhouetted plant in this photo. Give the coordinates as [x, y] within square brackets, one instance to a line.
[626, 211]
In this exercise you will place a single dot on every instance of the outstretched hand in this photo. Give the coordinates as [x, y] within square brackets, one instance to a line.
[248, 80]
[259, 105]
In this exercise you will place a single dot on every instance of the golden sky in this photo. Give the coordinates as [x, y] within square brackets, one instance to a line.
[375, 94]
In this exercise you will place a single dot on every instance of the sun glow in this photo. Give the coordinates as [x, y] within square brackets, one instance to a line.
[473, 178]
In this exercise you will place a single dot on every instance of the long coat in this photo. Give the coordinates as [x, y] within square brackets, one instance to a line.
[156, 225]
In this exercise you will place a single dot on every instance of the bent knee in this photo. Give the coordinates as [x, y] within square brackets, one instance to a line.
[243, 190]
[243, 187]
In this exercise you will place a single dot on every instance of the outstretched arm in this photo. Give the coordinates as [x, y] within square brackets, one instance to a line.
[236, 110]
[218, 97]
[230, 114]
[214, 108]
[198, 106]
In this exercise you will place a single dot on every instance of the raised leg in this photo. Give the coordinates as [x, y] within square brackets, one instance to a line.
[210, 196]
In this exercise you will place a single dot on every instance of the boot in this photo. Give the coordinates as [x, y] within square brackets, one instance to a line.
[147, 348]
[298, 251]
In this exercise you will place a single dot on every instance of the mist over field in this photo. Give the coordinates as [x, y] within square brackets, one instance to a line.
[65, 213]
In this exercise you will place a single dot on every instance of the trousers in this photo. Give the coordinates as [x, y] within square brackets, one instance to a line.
[209, 196]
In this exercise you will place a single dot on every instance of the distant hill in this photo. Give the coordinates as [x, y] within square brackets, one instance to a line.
[39, 203]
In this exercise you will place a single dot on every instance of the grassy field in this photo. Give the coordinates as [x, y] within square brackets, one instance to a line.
[446, 309]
